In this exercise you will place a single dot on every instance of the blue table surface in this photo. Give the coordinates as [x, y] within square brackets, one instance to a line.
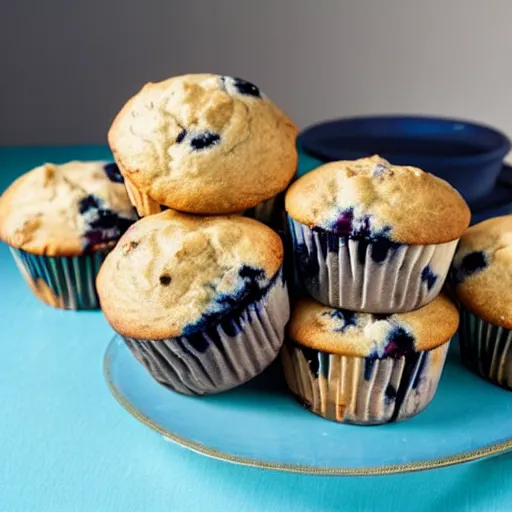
[66, 445]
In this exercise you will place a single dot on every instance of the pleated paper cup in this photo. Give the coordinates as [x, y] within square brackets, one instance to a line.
[363, 390]
[224, 356]
[270, 213]
[374, 276]
[144, 205]
[486, 349]
[62, 281]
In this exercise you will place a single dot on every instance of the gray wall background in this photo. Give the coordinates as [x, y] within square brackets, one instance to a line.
[67, 66]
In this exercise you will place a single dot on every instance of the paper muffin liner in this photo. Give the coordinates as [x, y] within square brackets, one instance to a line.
[144, 205]
[486, 348]
[269, 212]
[376, 276]
[225, 355]
[359, 390]
[62, 281]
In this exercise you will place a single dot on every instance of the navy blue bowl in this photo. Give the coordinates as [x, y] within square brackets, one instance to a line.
[467, 155]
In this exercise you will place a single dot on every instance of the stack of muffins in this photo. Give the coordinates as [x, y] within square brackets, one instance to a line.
[372, 246]
[196, 287]
[177, 242]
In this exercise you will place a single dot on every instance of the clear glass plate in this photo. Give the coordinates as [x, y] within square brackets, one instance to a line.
[260, 424]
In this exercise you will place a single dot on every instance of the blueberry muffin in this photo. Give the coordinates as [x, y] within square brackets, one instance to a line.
[60, 221]
[374, 237]
[482, 275]
[367, 369]
[205, 144]
[200, 301]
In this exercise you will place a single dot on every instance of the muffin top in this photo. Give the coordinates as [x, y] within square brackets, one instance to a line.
[65, 210]
[343, 332]
[370, 198]
[482, 270]
[204, 143]
[174, 274]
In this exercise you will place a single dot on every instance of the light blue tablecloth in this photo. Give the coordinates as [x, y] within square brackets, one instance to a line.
[66, 445]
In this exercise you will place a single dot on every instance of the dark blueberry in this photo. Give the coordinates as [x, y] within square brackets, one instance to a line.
[471, 263]
[378, 244]
[94, 237]
[343, 317]
[104, 225]
[399, 343]
[181, 136]
[112, 171]
[390, 393]
[369, 363]
[165, 279]
[381, 247]
[248, 272]
[227, 301]
[207, 326]
[230, 308]
[244, 87]
[88, 202]
[343, 224]
[312, 357]
[428, 277]
[205, 140]
[105, 218]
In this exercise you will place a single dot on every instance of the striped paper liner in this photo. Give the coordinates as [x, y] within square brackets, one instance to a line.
[144, 205]
[225, 355]
[62, 281]
[486, 349]
[362, 391]
[329, 267]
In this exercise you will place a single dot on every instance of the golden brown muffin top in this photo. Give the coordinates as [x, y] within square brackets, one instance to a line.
[172, 273]
[204, 143]
[371, 197]
[343, 332]
[482, 269]
[64, 210]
